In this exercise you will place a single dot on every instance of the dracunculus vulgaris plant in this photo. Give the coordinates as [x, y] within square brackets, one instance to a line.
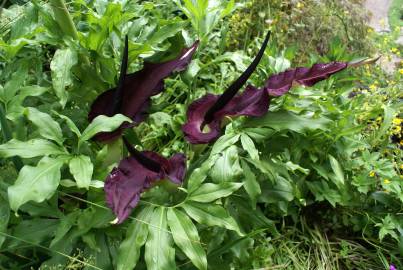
[131, 97]
[205, 115]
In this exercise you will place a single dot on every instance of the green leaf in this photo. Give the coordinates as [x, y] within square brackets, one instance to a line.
[186, 237]
[47, 127]
[29, 149]
[284, 120]
[249, 146]
[338, 171]
[226, 168]
[210, 192]
[4, 217]
[70, 124]
[66, 223]
[211, 215]
[223, 143]
[61, 64]
[81, 168]
[35, 183]
[136, 236]
[251, 185]
[14, 106]
[159, 253]
[103, 123]
[200, 174]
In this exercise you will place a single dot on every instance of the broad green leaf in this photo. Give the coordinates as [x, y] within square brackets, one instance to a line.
[47, 127]
[14, 106]
[159, 253]
[35, 183]
[210, 192]
[4, 217]
[186, 237]
[210, 214]
[29, 149]
[136, 236]
[81, 168]
[249, 146]
[284, 120]
[338, 171]
[226, 168]
[251, 185]
[70, 124]
[61, 64]
[15, 81]
[103, 123]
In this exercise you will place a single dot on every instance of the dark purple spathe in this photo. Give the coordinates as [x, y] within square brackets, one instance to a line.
[136, 90]
[125, 183]
[253, 101]
[281, 83]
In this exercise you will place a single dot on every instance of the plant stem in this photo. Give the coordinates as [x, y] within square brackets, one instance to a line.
[66, 23]
[5, 128]
[63, 18]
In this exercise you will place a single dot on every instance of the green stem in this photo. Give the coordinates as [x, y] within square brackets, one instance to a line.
[65, 22]
[5, 128]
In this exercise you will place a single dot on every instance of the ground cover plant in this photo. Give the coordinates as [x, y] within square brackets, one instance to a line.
[141, 135]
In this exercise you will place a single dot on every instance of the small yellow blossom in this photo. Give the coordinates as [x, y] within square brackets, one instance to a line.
[397, 129]
[370, 30]
[397, 121]
[394, 50]
[401, 165]
[386, 181]
[401, 71]
[300, 5]
[371, 173]
[372, 87]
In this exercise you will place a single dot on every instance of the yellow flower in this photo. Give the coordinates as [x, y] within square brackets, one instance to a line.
[370, 30]
[401, 71]
[386, 181]
[371, 173]
[396, 129]
[401, 165]
[397, 121]
[394, 50]
[372, 87]
[300, 5]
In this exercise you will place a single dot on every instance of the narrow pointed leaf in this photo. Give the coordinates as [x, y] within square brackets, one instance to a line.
[136, 236]
[211, 215]
[210, 192]
[159, 253]
[186, 237]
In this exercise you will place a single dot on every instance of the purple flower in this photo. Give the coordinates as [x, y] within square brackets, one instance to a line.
[281, 83]
[204, 115]
[392, 267]
[135, 174]
[132, 95]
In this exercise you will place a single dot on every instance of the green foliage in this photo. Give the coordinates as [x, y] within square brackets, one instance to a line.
[328, 156]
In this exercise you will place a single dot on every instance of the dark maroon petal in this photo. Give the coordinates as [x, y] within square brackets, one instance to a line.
[124, 184]
[251, 102]
[137, 89]
[279, 84]
[195, 118]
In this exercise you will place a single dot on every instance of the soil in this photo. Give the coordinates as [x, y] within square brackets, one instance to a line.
[379, 21]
